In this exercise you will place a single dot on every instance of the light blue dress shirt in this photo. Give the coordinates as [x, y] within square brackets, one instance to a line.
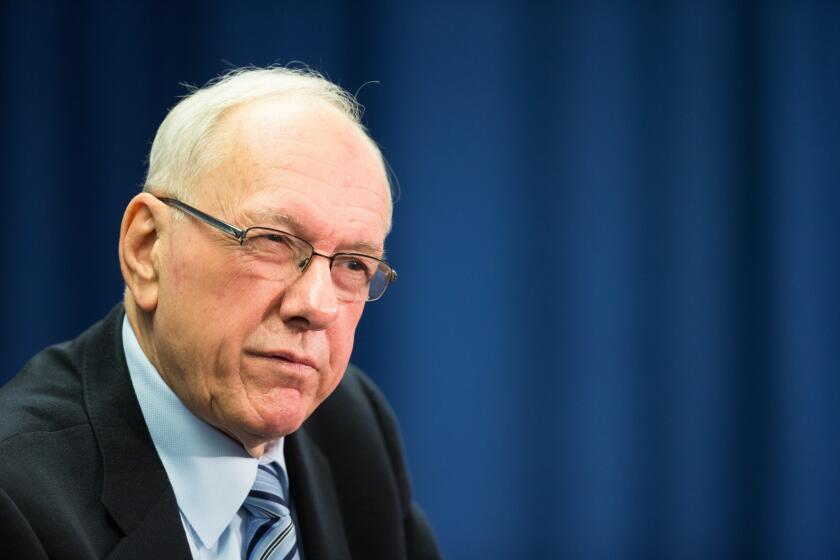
[210, 473]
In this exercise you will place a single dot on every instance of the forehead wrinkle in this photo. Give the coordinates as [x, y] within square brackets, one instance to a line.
[360, 148]
[267, 217]
[280, 173]
[289, 167]
[327, 162]
[282, 178]
[287, 175]
[307, 141]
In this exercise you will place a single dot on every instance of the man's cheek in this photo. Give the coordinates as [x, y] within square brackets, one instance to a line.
[341, 339]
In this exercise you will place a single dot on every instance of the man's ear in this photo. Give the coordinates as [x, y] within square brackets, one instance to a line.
[140, 247]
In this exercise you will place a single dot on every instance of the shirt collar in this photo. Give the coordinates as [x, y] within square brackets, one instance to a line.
[211, 474]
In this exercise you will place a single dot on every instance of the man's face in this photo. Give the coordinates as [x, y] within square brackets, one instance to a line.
[252, 355]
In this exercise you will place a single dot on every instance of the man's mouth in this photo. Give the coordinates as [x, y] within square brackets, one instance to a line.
[297, 362]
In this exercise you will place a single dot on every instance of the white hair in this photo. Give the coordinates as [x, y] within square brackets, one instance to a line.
[184, 148]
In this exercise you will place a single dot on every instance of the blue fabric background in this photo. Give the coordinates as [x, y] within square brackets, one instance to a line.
[616, 326]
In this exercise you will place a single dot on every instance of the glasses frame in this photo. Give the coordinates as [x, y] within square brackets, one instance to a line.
[241, 236]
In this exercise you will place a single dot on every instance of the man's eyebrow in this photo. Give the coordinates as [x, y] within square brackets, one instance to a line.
[364, 248]
[266, 218]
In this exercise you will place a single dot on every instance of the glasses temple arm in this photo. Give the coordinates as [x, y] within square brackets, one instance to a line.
[208, 219]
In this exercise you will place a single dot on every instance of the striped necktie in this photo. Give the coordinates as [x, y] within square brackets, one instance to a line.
[269, 532]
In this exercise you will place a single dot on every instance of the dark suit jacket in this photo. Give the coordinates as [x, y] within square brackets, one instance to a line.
[80, 477]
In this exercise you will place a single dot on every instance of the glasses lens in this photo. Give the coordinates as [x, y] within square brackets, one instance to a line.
[352, 275]
[359, 278]
[275, 254]
[379, 282]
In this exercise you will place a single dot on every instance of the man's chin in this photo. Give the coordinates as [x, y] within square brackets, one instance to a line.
[277, 424]
[277, 418]
[257, 440]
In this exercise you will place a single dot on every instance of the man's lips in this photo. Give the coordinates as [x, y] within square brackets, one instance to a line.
[295, 360]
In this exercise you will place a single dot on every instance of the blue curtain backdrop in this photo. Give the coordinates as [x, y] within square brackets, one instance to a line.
[615, 333]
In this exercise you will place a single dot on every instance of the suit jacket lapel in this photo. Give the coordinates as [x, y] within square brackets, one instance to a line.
[314, 499]
[135, 489]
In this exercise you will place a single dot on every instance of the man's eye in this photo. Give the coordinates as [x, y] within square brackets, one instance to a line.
[355, 267]
[276, 238]
[272, 244]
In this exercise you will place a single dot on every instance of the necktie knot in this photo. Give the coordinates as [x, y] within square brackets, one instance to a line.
[269, 495]
[269, 531]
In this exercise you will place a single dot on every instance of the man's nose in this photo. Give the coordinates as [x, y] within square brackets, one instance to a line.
[310, 299]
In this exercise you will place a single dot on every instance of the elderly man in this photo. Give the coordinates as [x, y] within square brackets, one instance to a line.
[215, 415]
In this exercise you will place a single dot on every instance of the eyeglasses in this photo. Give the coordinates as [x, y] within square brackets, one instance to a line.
[282, 256]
